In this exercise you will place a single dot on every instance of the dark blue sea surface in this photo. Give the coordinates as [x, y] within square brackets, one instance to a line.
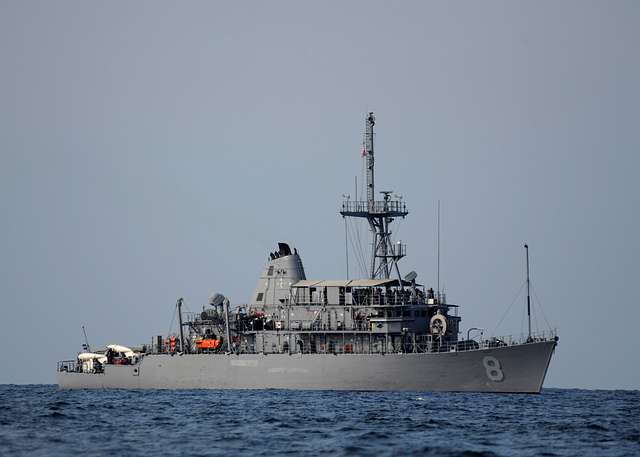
[42, 420]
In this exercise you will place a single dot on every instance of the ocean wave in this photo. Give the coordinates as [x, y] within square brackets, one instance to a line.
[42, 420]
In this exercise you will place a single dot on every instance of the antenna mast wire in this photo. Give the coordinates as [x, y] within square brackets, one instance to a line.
[438, 268]
[346, 245]
[526, 248]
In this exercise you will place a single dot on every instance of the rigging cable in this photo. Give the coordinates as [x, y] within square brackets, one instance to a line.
[353, 247]
[541, 308]
[509, 308]
[357, 229]
[173, 319]
[524, 315]
[535, 319]
[356, 251]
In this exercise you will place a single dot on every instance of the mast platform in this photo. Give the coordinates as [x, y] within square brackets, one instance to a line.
[379, 208]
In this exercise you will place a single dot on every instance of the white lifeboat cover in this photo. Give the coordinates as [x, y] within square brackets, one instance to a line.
[91, 356]
[123, 349]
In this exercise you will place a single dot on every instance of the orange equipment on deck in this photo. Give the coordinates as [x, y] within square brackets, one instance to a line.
[207, 344]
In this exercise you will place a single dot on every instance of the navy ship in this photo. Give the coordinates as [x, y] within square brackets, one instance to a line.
[382, 332]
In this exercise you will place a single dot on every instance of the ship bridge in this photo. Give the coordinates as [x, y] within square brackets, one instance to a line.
[360, 292]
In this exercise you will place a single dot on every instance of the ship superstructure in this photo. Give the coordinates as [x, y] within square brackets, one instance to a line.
[383, 332]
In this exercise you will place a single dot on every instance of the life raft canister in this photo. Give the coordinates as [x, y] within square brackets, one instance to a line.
[208, 344]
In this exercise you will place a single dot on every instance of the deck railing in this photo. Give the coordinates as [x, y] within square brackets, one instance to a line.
[374, 344]
[364, 299]
[370, 343]
[68, 365]
[396, 207]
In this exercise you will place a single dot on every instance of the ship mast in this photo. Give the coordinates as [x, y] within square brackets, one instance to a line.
[526, 248]
[380, 214]
[368, 148]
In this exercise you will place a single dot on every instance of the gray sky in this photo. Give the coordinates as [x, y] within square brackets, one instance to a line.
[151, 150]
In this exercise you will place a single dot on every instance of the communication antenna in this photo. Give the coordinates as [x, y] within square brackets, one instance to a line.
[179, 306]
[86, 341]
[526, 248]
[438, 266]
[346, 235]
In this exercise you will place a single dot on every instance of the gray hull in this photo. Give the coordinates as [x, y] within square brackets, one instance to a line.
[518, 369]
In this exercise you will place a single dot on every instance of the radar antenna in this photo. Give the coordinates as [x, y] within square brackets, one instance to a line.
[380, 214]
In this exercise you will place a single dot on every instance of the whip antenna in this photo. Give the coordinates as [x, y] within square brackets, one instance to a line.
[526, 248]
[438, 261]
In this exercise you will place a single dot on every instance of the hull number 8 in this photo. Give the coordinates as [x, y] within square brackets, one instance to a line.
[493, 368]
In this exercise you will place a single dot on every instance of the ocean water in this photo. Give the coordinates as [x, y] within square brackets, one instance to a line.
[42, 420]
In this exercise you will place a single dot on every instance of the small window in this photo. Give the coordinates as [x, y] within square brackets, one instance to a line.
[270, 272]
[259, 297]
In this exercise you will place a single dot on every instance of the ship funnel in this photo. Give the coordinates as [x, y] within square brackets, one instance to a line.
[284, 249]
[284, 268]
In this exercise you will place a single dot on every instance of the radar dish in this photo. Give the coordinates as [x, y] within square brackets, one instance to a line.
[216, 299]
[411, 276]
